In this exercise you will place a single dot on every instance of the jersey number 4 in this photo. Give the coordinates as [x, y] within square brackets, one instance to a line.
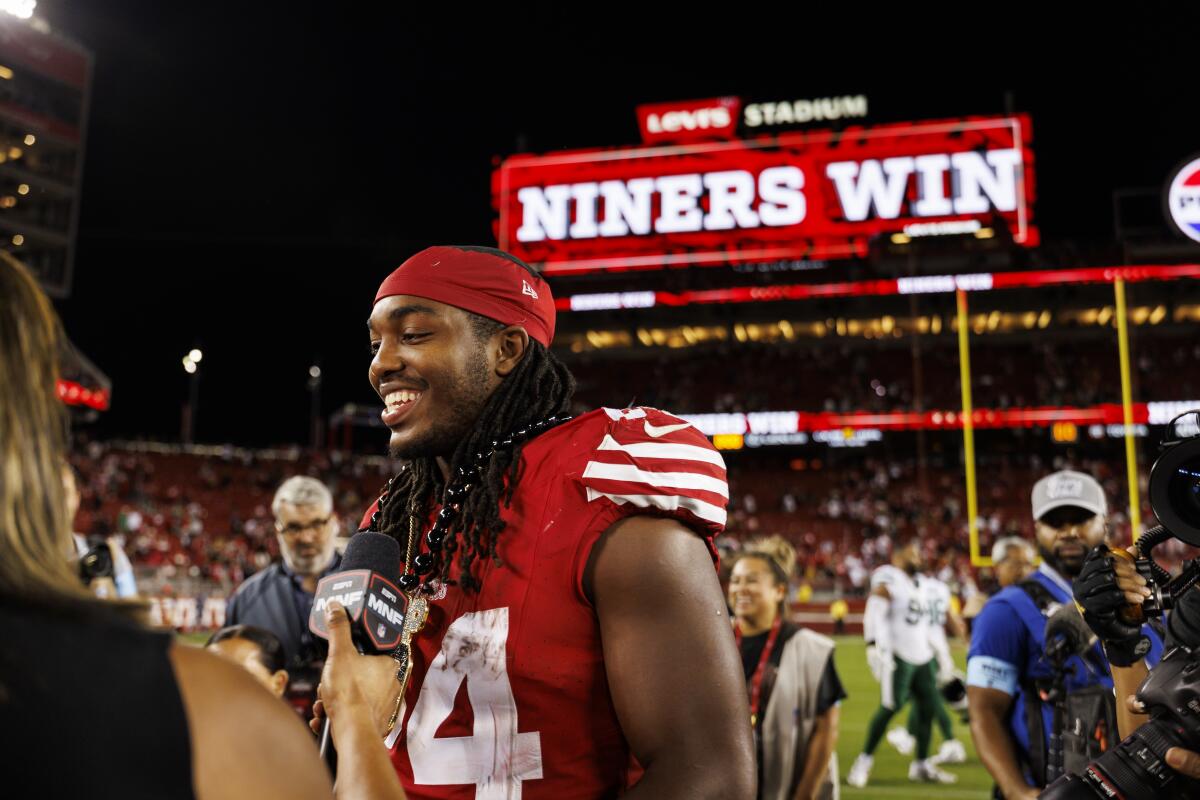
[495, 757]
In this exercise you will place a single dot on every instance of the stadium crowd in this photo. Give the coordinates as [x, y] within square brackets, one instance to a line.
[878, 376]
[192, 517]
[201, 520]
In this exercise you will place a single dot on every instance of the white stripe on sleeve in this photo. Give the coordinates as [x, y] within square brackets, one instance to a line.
[664, 502]
[629, 473]
[681, 452]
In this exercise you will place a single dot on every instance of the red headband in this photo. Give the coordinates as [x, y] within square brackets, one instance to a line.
[480, 280]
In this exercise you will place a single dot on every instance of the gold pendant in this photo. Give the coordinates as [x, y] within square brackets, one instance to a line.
[414, 619]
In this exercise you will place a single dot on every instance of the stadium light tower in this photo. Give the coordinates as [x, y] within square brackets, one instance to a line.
[19, 8]
[315, 434]
[191, 365]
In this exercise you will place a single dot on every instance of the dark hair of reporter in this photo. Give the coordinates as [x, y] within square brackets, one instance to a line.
[539, 387]
[270, 650]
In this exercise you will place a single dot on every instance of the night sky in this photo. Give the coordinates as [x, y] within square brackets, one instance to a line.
[253, 170]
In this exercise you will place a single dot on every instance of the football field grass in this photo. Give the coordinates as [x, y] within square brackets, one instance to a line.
[889, 777]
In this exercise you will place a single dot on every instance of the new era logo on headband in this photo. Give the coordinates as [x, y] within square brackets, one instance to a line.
[481, 280]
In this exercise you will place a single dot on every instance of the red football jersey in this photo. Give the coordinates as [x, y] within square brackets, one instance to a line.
[509, 696]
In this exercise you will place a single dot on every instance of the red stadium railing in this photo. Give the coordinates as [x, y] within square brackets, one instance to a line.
[925, 284]
[780, 422]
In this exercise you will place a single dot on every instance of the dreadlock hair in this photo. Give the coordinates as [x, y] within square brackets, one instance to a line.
[539, 387]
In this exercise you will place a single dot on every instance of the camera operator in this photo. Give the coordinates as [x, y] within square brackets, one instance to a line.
[1107, 584]
[1117, 591]
[1008, 673]
[103, 565]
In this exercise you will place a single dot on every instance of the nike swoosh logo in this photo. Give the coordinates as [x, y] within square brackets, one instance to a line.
[657, 431]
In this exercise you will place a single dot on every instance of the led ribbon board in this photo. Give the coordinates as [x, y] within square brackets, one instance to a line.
[813, 194]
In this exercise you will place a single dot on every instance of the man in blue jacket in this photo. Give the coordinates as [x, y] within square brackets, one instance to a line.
[1007, 671]
[280, 597]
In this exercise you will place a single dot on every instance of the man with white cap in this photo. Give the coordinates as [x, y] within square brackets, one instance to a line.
[1007, 671]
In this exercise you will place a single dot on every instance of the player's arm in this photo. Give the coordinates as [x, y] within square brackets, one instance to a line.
[673, 668]
[938, 640]
[876, 631]
[875, 627]
[941, 651]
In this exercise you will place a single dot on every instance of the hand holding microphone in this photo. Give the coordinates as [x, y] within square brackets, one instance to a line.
[339, 692]
[365, 628]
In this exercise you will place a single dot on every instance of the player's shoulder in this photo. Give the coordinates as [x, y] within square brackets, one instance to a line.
[935, 585]
[642, 460]
[886, 574]
[646, 436]
[639, 424]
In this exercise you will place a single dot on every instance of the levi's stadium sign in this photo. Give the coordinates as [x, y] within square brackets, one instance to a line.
[813, 195]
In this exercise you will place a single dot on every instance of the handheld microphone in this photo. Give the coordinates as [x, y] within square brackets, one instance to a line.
[1067, 634]
[366, 588]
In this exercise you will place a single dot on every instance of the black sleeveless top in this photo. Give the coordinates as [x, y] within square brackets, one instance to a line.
[89, 707]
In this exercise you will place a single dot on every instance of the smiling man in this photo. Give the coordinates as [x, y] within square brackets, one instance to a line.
[575, 618]
[1006, 668]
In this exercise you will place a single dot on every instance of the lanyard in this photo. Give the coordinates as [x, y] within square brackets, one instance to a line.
[1056, 579]
[757, 679]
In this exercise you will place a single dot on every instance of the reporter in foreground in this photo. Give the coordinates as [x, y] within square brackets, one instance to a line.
[1106, 584]
[99, 705]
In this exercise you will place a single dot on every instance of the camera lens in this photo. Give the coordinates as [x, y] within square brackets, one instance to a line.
[1175, 483]
[96, 563]
[1184, 491]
